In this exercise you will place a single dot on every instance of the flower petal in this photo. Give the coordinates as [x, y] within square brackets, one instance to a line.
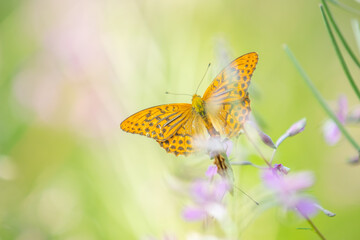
[221, 188]
[306, 207]
[216, 210]
[228, 145]
[327, 212]
[331, 132]
[194, 214]
[298, 181]
[281, 168]
[271, 179]
[211, 171]
[342, 109]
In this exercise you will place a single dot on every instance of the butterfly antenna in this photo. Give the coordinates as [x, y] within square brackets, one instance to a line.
[203, 77]
[247, 195]
[178, 93]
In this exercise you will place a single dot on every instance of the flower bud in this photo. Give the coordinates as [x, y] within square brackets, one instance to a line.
[266, 139]
[297, 127]
[354, 160]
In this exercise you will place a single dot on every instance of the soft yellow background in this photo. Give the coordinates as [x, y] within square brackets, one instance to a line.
[71, 71]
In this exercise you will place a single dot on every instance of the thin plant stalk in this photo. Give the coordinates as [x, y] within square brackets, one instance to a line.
[341, 58]
[257, 149]
[273, 155]
[320, 99]
[337, 30]
[315, 228]
[344, 6]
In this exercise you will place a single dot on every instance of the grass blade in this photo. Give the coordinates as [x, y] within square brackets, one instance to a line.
[320, 99]
[337, 30]
[345, 7]
[341, 58]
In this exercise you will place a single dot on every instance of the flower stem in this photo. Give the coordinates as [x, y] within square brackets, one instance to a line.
[341, 58]
[320, 99]
[344, 6]
[337, 30]
[315, 228]
[272, 156]
[257, 149]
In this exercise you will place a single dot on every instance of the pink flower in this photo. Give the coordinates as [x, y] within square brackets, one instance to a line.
[211, 172]
[288, 189]
[207, 195]
[331, 132]
[281, 168]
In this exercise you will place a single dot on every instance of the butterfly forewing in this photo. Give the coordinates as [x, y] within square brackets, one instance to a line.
[227, 101]
[231, 84]
[160, 122]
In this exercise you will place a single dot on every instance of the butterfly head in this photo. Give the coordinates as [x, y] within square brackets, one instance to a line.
[198, 104]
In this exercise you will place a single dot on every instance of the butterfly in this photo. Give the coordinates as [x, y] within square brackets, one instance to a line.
[221, 111]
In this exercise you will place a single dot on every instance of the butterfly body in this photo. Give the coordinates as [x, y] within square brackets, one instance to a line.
[221, 111]
[198, 105]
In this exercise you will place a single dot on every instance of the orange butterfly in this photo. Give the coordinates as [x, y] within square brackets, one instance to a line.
[222, 110]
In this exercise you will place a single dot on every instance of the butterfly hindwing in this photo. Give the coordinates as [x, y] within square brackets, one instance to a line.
[230, 118]
[182, 142]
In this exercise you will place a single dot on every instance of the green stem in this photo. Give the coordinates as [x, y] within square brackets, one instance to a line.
[257, 149]
[342, 61]
[337, 30]
[320, 99]
[315, 228]
[345, 7]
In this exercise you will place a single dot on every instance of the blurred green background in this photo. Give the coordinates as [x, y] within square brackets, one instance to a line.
[71, 71]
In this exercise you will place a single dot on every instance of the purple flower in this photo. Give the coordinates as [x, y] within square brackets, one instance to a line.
[281, 168]
[306, 207]
[207, 198]
[288, 189]
[331, 132]
[211, 172]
